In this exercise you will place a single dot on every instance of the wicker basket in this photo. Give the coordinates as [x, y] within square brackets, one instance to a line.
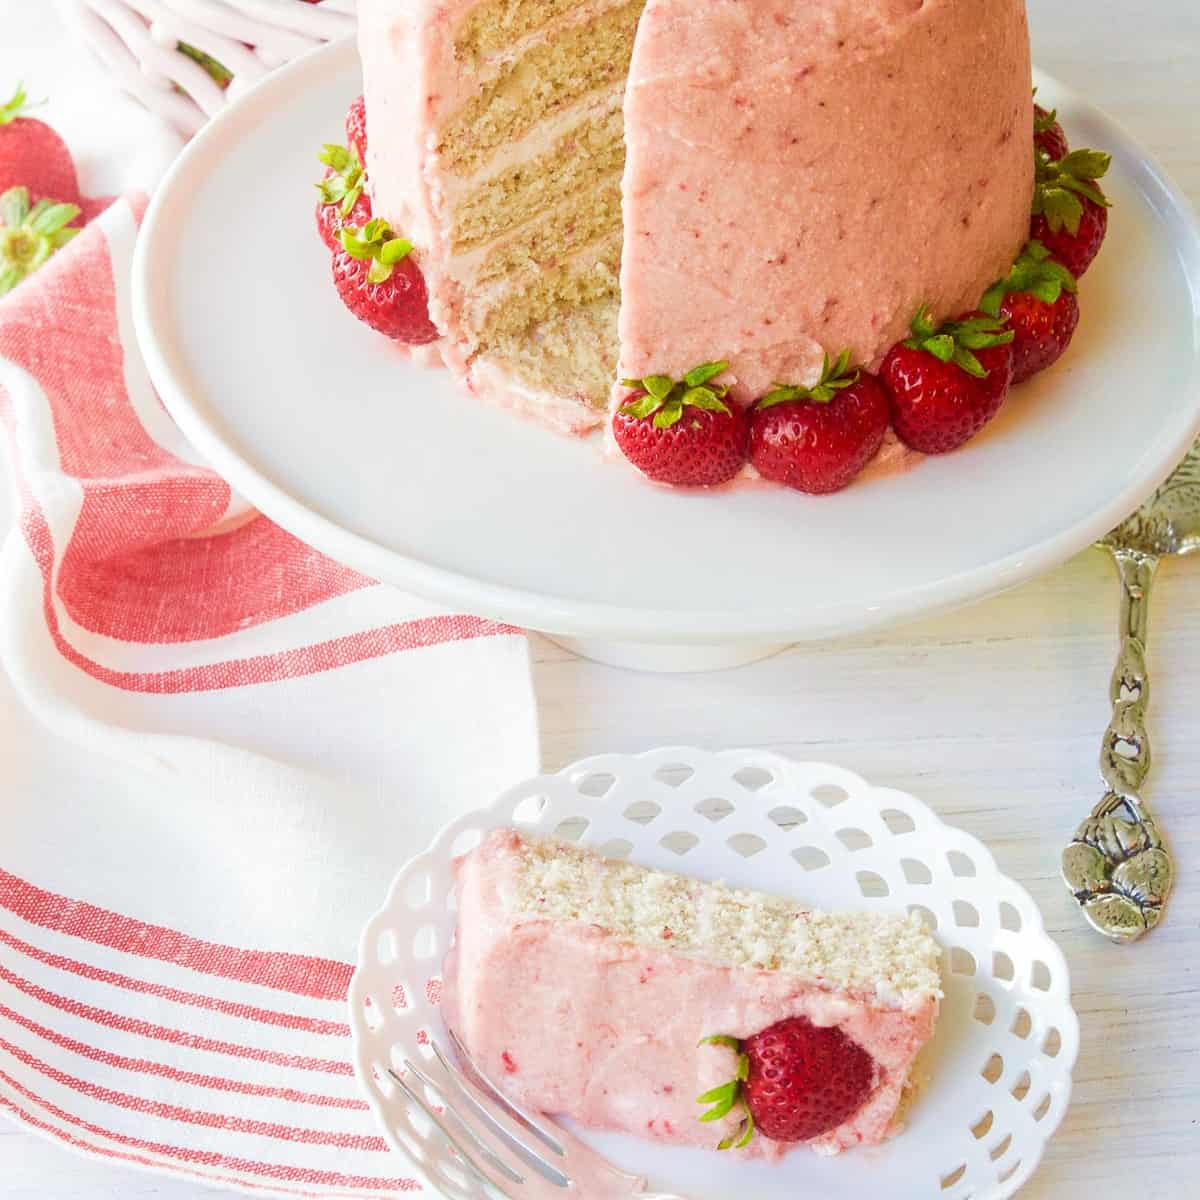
[184, 59]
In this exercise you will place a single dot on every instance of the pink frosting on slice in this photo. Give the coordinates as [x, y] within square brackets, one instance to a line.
[572, 1021]
[801, 177]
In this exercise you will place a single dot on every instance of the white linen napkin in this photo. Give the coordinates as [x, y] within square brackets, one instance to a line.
[271, 735]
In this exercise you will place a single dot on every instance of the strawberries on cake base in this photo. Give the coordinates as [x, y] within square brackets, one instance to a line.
[597, 191]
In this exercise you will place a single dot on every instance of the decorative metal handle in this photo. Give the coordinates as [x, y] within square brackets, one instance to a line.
[1117, 867]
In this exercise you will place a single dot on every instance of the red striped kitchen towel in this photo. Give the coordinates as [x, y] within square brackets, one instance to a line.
[241, 741]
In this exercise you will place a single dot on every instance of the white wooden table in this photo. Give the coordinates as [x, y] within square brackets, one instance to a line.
[992, 715]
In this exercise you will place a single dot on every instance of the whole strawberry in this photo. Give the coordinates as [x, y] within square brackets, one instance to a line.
[356, 128]
[818, 439]
[34, 157]
[946, 384]
[1038, 302]
[30, 234]
[381, 285]
[805, 1079]
[344, 201]
[1070, 212]
[682, 433]
[1048, 135]
[795, 1081]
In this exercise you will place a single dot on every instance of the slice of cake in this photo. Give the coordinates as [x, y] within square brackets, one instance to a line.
[605, 189]
[684, 1011]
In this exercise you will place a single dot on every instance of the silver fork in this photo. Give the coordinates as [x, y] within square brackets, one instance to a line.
[510, 1152]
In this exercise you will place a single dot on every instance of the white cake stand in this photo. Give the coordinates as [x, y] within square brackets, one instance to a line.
[387, 467]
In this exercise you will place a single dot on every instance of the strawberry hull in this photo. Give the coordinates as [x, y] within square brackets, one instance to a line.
[1076, 251]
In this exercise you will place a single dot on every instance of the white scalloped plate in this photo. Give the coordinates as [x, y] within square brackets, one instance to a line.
[999, 1066]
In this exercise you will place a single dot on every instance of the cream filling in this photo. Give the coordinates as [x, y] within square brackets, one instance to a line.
[487, 297]
[536, 143]
[467, 264]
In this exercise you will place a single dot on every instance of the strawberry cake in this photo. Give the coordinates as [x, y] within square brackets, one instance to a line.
[686, 1012]
[709, 224]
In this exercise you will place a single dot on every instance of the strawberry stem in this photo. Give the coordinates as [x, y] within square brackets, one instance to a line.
[345, 185]
[727, 1095]
[1060, 186]
[220, 74]
[376, 242]
[1034, 272]
[29, 236]
[740, 1139]
[834, 378]
[18, 106]
[664, 399]
[957, 341]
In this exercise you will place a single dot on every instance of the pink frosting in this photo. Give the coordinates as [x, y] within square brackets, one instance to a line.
[571, 1021]
[801, 177]
[413, 85]
[406, 48]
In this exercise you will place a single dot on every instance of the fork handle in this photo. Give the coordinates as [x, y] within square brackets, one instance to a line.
[1125, 758]
[1117, 867]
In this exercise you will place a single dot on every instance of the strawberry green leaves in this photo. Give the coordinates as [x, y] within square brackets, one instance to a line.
[1062, 187]
[344, 185]
[956, 341]
[1034, 272]
[724, 1098]
[835, 377]
[376, 242]
[16, 107]
[664, 398]
[699, 376]
[1044, 119]
[740, 1139]
[29, 236]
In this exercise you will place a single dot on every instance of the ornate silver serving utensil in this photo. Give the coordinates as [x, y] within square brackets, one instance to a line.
[1117, 867]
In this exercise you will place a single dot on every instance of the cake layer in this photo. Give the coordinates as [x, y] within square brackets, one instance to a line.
[891, 958]
[495, 25]
[525, 301]
[585, 987]
[590, 152]
[503, 226]
[583, 59]
[577, 221]
[800, 178]
[566, 359]
[554, 327]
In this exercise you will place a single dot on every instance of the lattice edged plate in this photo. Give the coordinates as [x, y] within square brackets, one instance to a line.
[998, 1069]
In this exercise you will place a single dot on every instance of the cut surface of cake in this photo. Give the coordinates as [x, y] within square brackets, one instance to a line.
[618, 995]
[600, 189]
